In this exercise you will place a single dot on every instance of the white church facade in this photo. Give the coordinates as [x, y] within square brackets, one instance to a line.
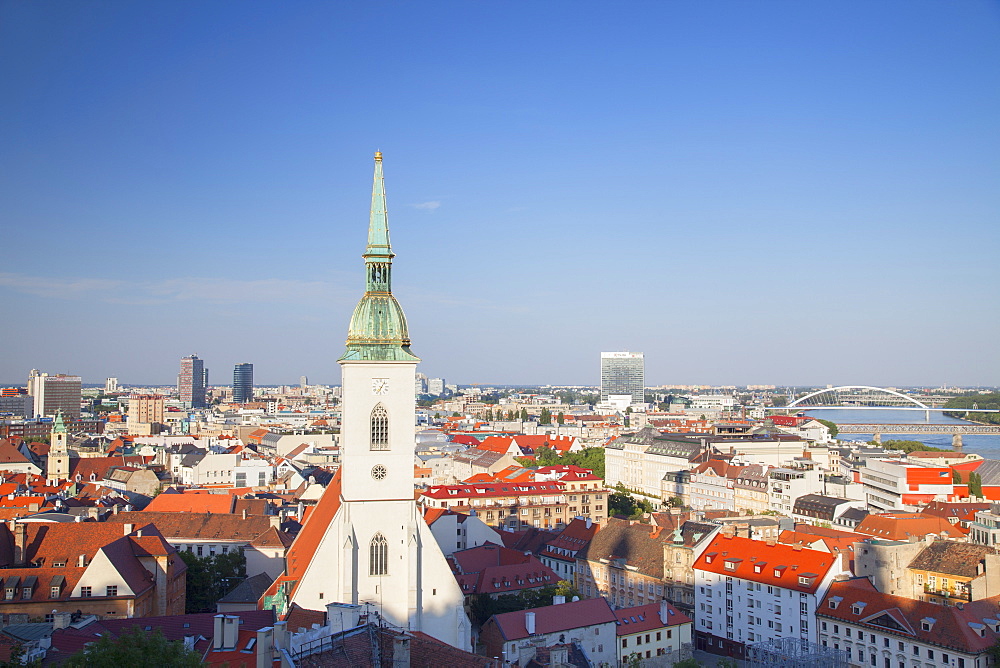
[366, 541]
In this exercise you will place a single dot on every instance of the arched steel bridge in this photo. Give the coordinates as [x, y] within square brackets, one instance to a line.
[866, 397]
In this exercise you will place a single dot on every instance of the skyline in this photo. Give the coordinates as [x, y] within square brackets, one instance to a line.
[748, 194]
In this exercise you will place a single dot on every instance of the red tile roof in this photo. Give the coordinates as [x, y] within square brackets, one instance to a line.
[191, 502]
[952, 626]
[775, 565]
[903, 526]
[555, 618]
[644, 618]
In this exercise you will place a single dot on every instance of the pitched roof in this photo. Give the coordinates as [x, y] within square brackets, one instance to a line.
[555, 618]
[183, 502]
[217, 526]
[250, 590]
[769, 564]
[640, 545]
[309, 537]
[69, 640]
[273, 537]
[951, 558]
[903, 526]
[950, 627]
[643, 618]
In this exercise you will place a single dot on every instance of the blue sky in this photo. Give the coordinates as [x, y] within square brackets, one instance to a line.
[748, 192]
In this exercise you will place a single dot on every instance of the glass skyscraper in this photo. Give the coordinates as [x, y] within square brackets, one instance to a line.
[623, 374]
[243, 383]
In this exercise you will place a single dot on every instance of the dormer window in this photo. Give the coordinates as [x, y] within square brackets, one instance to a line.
[927, 623]
[858, 608]
[834, 602]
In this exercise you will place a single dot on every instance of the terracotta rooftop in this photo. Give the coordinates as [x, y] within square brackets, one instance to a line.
[198, 526]
[963, 629]
[191, 503]
[793, 568]
[555, 618]
[643, 618]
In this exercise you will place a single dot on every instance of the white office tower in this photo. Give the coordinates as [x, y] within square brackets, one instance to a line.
[366, 541]
[623, 378]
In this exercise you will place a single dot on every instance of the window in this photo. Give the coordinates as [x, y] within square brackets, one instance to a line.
[624, 642]
[54, 592]
[85, 592]
[378, 556]
[112, 590]
[379, 428]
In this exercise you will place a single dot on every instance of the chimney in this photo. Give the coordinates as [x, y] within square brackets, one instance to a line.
[664, 614]
[279, 638]
[244, 513]
[558, 600]
[20, 542]
[230, 631]
[128, 528]
[265, 647]
[217, 635]
[400, 651]
[529, 623]
[61, 620]
[590, 522]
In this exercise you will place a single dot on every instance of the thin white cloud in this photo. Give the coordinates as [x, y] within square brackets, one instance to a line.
[427, 206]
[208, 290]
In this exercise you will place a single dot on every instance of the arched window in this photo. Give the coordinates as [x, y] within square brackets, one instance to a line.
[378, 556]
[380, 428]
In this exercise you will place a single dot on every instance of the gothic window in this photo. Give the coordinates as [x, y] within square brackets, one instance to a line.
[380, 428]
[378, 556]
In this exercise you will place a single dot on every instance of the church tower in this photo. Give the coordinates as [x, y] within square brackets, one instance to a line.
[57, 465]
[366, 541]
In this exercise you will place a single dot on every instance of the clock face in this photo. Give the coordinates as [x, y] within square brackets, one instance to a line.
[378, 472]
[380, 385]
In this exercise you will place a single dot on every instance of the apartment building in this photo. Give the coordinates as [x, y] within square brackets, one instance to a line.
[519, 505]
[877, 629]
[753, 591]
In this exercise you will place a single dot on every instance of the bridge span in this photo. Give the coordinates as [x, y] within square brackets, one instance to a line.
[956, 430]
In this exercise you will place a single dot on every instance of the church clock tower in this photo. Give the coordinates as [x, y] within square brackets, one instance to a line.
[378, 369]
[366, 541]
[57, 465]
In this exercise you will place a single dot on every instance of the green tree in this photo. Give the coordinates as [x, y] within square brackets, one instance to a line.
[832, 426]
[134, 648]
[975, 484]
[524, 415]
[212, 577]
[910, 446]
[956, 477]
[545, 417]
[560, 418]
[687, 663]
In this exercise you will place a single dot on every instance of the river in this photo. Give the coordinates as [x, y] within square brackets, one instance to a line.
[987, 445]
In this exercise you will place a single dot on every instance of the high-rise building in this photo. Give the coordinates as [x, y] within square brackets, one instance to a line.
[303, 382]
[623, 374]
[366, 541]
[145, 409]
[110, 385]
[191, 381]
[52, 394]
[435, 386]
[243, 383]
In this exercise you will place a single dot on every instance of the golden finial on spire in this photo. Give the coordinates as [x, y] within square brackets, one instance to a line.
[378, 155]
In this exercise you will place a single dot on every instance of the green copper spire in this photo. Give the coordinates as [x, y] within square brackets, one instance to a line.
[58, 425]
[378, 330]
